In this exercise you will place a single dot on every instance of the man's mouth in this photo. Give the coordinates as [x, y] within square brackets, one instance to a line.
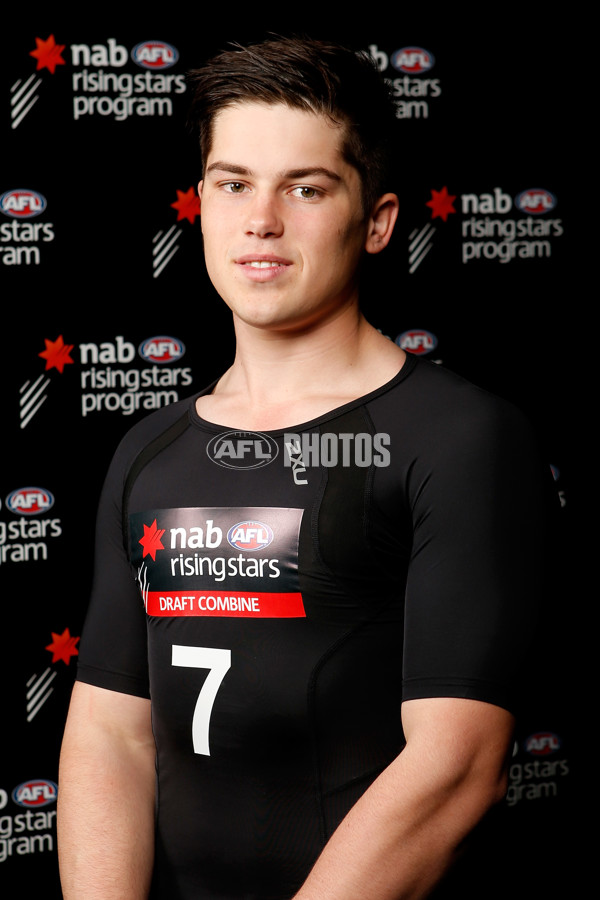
[262, 261]
[263, 264]
[263, 268]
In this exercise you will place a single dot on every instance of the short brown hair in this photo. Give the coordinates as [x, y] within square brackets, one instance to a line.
[308, 74]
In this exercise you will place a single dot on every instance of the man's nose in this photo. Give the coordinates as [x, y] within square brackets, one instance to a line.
[264, 218]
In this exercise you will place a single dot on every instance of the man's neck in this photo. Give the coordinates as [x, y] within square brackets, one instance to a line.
[278, 379]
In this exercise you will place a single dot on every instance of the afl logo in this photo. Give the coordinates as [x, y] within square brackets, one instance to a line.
[542, 743]
[154, 55]
[413, 60]
[242, 450]
[417, 341]
[250, 535]
[535, 201]
[22, 204]
[30, 501]
[36, 793]
[161, 349]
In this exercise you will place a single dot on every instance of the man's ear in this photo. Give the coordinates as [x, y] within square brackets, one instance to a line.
[381, 223]
[200, 183]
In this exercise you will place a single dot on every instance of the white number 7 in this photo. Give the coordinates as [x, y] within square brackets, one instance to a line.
[218, 662]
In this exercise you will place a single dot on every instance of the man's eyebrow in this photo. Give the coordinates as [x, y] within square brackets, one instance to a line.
[222, 166]
[306, 172]
[312, 170]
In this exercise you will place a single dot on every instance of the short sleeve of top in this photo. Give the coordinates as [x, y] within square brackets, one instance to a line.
[473, 483]
[113, 648]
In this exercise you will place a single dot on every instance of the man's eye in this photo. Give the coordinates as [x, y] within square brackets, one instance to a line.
[234, 187]
[307, 193]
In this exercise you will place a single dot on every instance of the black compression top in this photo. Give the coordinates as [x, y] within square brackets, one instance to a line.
[278, 595]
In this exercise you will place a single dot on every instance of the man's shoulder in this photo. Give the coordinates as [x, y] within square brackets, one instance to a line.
[446, 388]
[434, 403]
[156, 426]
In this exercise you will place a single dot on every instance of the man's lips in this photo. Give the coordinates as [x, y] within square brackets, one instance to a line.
[262, 268]
[263, 261]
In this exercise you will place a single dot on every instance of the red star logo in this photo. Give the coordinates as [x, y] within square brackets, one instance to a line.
[63, 647]
[187, 205]
[441, 204]
[151, 542]
[48, 53]
[56, 354]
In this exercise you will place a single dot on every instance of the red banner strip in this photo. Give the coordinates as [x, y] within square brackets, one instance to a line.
[216, 603]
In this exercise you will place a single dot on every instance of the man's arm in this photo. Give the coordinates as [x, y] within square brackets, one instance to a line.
[403, 834]
[106, 796]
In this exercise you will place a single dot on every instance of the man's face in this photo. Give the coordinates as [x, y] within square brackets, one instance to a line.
[281, 216]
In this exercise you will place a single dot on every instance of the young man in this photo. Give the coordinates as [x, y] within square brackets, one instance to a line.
[335, 548]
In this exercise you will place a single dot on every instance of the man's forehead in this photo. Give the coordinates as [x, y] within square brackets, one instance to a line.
[239, 117]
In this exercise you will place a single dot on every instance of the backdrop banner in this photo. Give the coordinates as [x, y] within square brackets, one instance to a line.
[109, 315]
